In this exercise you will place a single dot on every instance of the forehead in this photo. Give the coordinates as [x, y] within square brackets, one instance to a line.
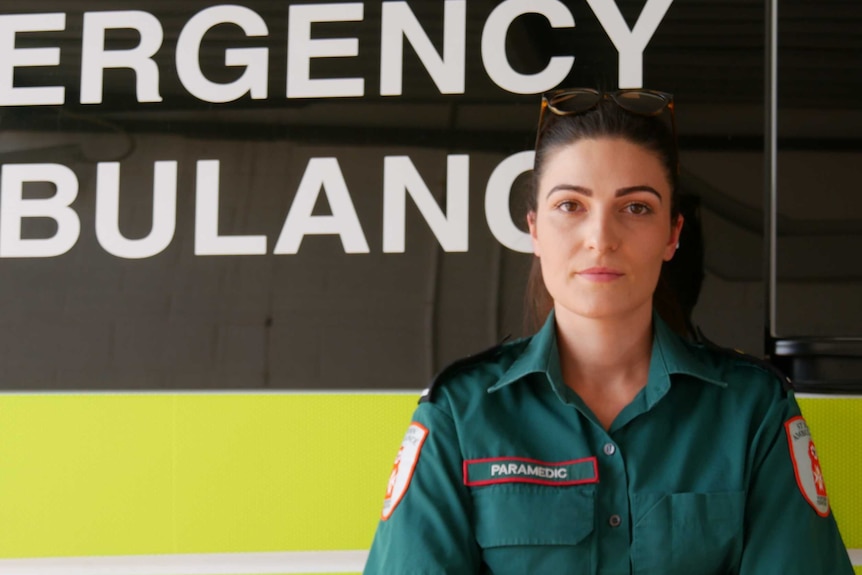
[604, 162]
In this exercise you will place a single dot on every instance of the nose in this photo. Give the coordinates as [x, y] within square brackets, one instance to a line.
[601, 234]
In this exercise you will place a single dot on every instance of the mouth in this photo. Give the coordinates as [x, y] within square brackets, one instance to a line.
[600, 274]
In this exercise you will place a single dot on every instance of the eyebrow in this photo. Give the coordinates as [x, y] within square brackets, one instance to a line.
[619, 193]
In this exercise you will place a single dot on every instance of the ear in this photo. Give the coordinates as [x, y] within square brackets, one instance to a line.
[531, 223]
[673, 242]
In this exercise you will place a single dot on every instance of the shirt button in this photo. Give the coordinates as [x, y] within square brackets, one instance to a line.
[610, 449]
[615, 521]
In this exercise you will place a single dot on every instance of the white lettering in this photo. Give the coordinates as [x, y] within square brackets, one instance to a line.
[398, 23]
[108, 211]
[301, 49]
[447, 218]
[254, 60]
[14, 208]
[400, 178]
[11, 58]
[497, 193]
[208, 242]
[529, 470]
[494, 46]
[322, 174]
[630, 43]
[95, 59]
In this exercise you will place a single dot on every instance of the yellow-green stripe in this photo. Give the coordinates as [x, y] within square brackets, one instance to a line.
[836, 427]
[201, 473]
[89, 475]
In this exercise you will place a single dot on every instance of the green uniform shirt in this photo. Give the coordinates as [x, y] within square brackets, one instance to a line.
[709, 470]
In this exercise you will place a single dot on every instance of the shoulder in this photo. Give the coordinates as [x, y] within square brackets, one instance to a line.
[478, 371]
[738, 366]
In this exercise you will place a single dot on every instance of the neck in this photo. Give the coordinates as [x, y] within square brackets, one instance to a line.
[608, 353]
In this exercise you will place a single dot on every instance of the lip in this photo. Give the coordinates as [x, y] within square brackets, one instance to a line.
[600, 274]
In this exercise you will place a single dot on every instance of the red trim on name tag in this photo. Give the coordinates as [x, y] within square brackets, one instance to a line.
[537, 481]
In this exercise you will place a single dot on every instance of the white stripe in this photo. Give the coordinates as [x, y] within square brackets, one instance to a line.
[208, 564]
[825, 396]
[211, 564]
[221, 392]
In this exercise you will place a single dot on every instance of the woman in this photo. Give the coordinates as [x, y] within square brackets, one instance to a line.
[606, 443]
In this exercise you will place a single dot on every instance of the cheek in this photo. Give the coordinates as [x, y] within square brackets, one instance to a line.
[544, 236]
[650, 250]
[534, 239]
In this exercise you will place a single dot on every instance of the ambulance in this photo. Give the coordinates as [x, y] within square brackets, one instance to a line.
[238, 239]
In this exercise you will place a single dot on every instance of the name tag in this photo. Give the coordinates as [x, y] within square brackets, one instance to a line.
[493, 470]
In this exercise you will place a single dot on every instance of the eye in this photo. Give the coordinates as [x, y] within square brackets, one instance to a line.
[638, 209]
[568, 206]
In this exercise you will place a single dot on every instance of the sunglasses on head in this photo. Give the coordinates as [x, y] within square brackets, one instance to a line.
[574, 101]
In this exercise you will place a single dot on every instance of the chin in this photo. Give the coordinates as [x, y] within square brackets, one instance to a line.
[591, 311]
[600, 308]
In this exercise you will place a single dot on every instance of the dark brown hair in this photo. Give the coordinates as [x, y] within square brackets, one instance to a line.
[606, 120]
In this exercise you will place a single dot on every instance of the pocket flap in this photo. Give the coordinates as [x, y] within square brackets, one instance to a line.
[518, 514]
[688, 508]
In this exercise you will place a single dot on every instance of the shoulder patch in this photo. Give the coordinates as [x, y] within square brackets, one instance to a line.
[806, 465]
[739, 355]
[403, 467]
[456, 366]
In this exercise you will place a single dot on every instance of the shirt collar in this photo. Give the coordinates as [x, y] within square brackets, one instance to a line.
[670, 355]
[540, 356]
[678, 356]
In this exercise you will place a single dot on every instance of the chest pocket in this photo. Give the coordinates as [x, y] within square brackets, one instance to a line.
[684, 533]
[535, 528]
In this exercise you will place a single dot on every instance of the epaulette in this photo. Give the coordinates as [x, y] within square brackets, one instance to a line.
[737, 354]
[457, 366]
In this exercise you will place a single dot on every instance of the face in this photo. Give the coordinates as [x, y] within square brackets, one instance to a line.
[602, 227]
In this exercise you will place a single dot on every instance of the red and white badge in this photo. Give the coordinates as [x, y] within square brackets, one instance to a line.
[402, 469]
[806, 464]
